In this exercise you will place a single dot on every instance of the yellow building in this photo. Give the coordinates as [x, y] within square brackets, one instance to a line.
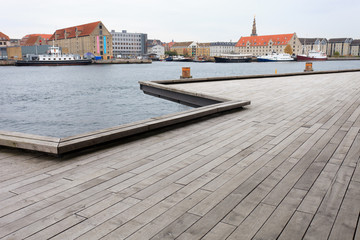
[203, 50]
[184, 48]
[14, 53]
[87, 38]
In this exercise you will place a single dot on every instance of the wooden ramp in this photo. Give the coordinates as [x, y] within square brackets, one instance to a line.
[285, 167]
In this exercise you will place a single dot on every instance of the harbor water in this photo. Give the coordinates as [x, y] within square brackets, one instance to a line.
[63, 101]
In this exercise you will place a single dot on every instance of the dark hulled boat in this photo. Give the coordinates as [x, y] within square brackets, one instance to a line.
[233, 58]
[53, 63]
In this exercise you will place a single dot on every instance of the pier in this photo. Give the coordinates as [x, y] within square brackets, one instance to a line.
[286, 166]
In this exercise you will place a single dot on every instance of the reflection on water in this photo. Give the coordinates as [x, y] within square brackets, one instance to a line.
[67, 100]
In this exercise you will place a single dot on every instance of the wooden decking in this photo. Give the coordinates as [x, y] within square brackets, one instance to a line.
[285, 167]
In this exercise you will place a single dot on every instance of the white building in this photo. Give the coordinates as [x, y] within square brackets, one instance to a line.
[219, 48]
[128, 44]
[159, 50]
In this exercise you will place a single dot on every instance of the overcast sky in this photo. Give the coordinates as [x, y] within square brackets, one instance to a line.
[186, 20]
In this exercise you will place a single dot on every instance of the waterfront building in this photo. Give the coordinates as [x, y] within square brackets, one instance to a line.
[87, 38]
[3, 53]
[159, 50]
[317, 44]
[35, 39]
[203, 50]
[14, 53]
[153, 42]
[219, 48]
[184, 48]
[339, 45]
[169, 45]
[36, 49]
[14, 42]
[261, 45]
[4, 40]
[355, 47]
[129, 44]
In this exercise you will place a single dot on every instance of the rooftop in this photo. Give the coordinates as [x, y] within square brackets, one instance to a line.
[4, 37]
[83, 30]
[278, 39]
[222, 44]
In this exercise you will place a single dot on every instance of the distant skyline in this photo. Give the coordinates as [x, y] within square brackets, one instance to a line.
[184, 20]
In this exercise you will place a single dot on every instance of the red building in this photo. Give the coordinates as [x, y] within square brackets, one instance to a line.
[35, 39]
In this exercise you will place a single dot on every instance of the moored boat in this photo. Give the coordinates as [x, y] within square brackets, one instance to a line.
[312, 56]
[54, 58]
[275, 57]
[233, 58]
[182, 59]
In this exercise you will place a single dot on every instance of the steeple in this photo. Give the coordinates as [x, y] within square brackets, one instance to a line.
[253, 33]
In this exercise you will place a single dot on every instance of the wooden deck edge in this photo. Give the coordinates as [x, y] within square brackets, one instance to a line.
[58, 146]
[246, 77]
[194, 99]
[29, 142]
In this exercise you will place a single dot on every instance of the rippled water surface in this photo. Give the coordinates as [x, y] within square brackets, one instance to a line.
[67, 100]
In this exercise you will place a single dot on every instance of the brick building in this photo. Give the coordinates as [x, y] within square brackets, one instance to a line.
[87, 38]
[35, 39]
[4, 40]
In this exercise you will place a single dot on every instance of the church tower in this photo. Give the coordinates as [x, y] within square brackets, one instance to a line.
[253, 33]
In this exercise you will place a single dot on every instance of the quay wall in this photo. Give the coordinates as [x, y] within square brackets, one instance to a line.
[123, 61]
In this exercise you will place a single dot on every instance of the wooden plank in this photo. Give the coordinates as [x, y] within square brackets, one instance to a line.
[278, 193]
[103, 224]
[345, 145]
[353, 154]
[83, 193]
[325, 216]
[220, 231]
[346, 222]
[252, 223]
[57, 228]
[316, 194]
[280, 217]
[246, 206]
[155, 226]
[296, 227]
[174, 202]
[174, 229]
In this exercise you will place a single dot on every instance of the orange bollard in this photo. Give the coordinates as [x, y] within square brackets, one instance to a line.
[185, 73]
[308, 67]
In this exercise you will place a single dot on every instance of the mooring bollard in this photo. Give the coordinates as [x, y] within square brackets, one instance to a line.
[185, 73]
[308, 67]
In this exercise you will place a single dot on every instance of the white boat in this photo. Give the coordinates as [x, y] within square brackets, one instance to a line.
[275, 57]
[313, 55]
[54, 58]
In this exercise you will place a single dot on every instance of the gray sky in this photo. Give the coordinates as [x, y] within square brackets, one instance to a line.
[185, 20]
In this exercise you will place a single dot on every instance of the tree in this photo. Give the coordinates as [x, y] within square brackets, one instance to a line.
[288, 49]
[171, 53]
[336, 54]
